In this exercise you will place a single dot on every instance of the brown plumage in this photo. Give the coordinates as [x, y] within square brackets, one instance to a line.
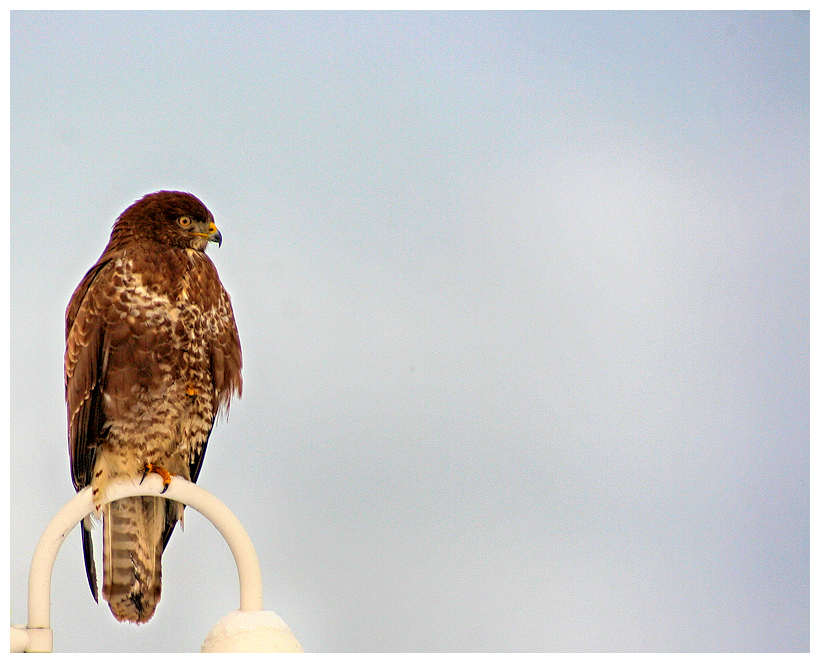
[152, 355]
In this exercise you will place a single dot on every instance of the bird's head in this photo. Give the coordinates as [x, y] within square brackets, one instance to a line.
[173, 218]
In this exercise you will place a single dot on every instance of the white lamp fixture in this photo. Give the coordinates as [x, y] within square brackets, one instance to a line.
[250, 629]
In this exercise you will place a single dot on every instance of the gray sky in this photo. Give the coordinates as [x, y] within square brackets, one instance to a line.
[523, 300]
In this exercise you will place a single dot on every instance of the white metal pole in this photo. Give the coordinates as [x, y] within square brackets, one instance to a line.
[180, 490]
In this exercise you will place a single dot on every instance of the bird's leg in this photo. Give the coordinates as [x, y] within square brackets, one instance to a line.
[165, 474]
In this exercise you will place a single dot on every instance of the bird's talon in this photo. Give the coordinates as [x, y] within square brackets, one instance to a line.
[165, 474]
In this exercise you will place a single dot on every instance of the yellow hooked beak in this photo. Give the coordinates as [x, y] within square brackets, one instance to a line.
[213, 234]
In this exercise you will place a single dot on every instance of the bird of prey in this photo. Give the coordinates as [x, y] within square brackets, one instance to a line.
[152, 356]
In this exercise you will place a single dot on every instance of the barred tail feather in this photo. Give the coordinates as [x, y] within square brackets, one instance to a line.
[132, 554]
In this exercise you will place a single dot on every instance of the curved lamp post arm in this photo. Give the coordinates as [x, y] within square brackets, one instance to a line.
[180, 490]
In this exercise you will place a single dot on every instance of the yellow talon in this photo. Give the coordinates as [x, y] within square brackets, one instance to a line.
[165, 474]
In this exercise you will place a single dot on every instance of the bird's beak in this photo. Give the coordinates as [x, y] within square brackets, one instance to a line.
[214, 235]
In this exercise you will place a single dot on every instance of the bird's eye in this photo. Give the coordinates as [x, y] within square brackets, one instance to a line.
[184, 221]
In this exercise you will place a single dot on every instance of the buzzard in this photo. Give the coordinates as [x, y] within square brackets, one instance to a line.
[152, 355]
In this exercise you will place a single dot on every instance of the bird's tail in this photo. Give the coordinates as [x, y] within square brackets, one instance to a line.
[132, 555]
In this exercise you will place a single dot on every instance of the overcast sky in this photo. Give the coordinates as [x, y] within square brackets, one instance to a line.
[523, 299]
